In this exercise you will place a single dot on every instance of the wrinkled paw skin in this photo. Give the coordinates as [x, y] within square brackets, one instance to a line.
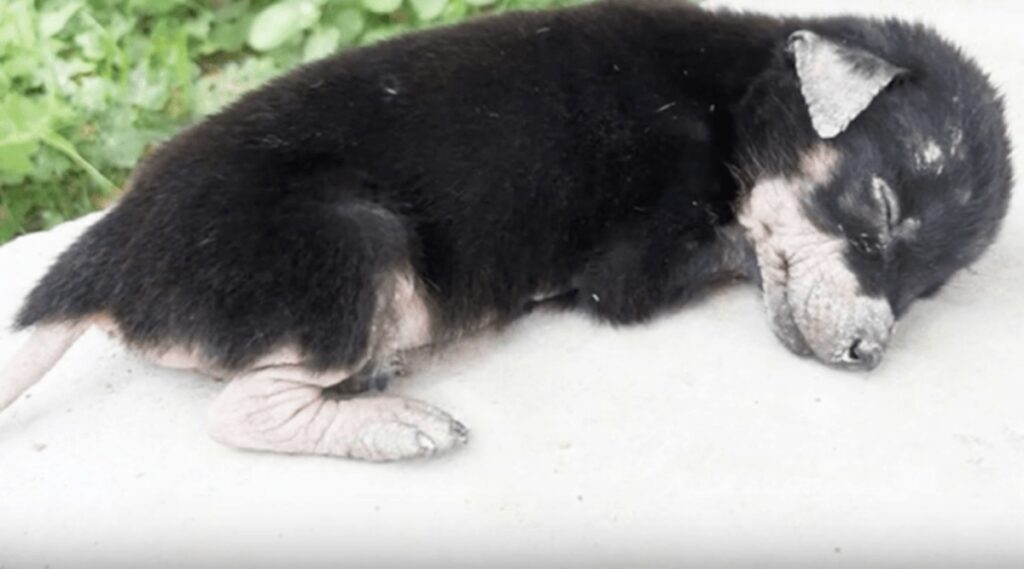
[406, 429]
[280, 415]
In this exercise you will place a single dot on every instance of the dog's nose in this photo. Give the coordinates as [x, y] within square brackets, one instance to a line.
[864, 354]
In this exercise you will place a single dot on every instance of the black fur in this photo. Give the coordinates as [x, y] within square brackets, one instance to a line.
[940, 91]
[596, 151]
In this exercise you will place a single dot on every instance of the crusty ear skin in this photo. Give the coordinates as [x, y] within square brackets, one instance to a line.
[838, 82]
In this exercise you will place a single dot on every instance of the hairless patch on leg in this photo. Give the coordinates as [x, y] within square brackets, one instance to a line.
[403, 319]
[279, 404]
[285, 409]
[46, 345]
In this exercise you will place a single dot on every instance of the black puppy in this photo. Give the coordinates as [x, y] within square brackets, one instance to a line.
[620, 156]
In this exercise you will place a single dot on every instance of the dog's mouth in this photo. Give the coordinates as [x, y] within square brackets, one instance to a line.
[785, 328]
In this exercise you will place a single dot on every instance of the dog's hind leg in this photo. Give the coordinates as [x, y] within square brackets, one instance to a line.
[285, 409]
[282, 406]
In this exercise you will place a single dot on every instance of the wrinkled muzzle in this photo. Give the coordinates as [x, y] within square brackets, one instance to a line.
[822, 311]
[814, 300]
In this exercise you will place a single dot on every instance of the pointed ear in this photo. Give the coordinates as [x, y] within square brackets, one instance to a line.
[837, 82]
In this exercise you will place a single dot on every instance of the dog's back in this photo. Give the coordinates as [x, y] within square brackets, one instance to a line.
[273, 221]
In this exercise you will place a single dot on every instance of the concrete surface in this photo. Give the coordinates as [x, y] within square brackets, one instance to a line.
[697, 438]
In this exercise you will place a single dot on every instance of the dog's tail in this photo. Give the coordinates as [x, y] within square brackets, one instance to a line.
[40, 353]
[61, 307]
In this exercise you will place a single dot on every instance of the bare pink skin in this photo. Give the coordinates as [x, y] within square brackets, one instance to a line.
[278, 404]
[815, 302]
[32, 361]
[283, 409]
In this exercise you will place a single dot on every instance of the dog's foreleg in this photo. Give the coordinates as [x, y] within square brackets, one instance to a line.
[40, 353]
[284, 409]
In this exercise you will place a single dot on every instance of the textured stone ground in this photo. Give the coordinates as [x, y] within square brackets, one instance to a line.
[697, 437]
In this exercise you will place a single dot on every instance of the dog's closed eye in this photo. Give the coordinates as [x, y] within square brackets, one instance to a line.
[887, 205]
[882, 219]
[893, 226]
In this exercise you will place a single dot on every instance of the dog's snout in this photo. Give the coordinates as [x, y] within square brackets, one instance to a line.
[864, 354]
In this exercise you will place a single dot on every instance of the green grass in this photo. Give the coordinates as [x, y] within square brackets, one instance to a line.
[87, 87]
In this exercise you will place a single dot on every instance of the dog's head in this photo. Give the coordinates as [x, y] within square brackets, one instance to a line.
[877, 165]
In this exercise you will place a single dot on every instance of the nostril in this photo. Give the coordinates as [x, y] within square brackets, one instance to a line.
[853, 354]
[864, 354]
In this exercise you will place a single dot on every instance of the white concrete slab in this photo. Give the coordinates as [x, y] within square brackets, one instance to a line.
[697, 438]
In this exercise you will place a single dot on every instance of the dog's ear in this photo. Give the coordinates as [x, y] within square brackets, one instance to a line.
[838, 82]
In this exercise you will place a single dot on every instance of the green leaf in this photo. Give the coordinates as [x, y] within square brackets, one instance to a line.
[428, 9]
[16, 23]
[90, 44]
[156, 7]
[50, 164]
[215, 90]
[16, 157]
[17, 203]
[52, 22]
[229, 36]
[91, 94]
[63, 145]
[382, 6]
[321, 43]
[66, 70]
[349, 23]
[281, 22]
[456, 11]
[51, 218]
[199, 26]
[9, 225]
[480, 2]
[122, 143]
[230, 28]
[149, 89]
[384, 32]
[22, 117]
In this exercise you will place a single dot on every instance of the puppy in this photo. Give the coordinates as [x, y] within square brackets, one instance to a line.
[619, 157]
